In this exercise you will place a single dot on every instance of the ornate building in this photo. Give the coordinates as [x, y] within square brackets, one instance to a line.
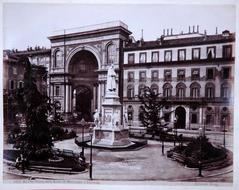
[194, 71]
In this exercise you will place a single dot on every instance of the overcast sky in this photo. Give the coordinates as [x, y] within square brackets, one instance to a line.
[30, 24]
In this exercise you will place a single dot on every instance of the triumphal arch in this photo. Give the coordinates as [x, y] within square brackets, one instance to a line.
[80, 58]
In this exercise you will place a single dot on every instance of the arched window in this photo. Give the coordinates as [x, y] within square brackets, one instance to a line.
[209, 116]
[58, 58]
[180, 90]
[210, 90]
[130, 112]
[167, 90]
[155, 88]
[130, 91]
[20, 84]
[225, 90]
[225, 116]
[141, 89]
[195, 90]
[111, 53]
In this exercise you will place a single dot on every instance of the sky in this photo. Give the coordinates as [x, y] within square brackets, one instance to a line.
[30, 24]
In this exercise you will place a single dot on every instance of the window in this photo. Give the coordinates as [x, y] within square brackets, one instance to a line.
[111, 53]
[11, 84]
[194, 118]
[141, 90]
[14, 70]
[20, 84]
[167, 90]
[155, 88]
[225, 90]
[130, 76]
[180, 90]
[210, 90]
[155, 76]
[58, 58]
[195, 74]
[195, 53]
[130, 92]
[210, 73]
[227, 51]
[182, 54]
[155, 56]
[130, 112]
[167, 75]
[209, 116]
[142, 57]
[142, 76]
[226, 72]
[181, 74]
[195, 90]
[168, 55]
[211, 52]
[131, 58]
[57, 90]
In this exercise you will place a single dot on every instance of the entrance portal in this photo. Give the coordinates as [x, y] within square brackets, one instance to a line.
[84, 79]
[180, 113]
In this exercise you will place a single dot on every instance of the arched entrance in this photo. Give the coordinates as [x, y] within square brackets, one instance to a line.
[180, 113]
[83, 68]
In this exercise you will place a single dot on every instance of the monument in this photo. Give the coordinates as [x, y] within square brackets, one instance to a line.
[109, 131]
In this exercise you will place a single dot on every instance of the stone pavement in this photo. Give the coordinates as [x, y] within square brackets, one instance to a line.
[146, 164]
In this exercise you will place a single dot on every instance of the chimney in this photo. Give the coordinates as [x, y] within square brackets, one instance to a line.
[193, 29]
[189, 29]
[164, 32]
[216, 31]
[205, 32]
[167, 32]
[171, 31]
[197, 28]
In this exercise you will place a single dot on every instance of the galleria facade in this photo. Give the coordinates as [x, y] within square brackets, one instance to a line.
[194, 71]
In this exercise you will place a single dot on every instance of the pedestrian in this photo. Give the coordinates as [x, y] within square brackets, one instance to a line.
[23, 163]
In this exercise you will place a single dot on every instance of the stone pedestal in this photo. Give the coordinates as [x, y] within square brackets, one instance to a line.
[111, 133]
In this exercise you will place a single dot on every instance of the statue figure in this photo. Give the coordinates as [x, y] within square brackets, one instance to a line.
[96, 117]
[111, 79]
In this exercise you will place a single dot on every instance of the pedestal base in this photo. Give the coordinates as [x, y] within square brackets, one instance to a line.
[111, 137]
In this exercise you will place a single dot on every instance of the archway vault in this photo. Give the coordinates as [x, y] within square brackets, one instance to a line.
[89, 48]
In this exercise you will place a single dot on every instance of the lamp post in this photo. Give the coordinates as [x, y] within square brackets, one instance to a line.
[82, 124]
[175, 131]
[200, 156]
[90, 166]
[224, 131]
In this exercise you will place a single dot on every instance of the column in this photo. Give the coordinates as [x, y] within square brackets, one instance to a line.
[187, 118]
[67, 98]
[70, 98]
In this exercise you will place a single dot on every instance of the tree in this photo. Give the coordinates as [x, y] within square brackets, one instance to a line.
[150, 112]
[35, 108]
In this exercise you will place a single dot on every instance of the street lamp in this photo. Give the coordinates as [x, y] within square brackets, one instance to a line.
[91, 134]
[175, 131]
[82, 124]
[200, 156]
[224, 131]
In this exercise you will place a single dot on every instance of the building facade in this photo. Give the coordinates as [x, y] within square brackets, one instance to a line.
[194, 71]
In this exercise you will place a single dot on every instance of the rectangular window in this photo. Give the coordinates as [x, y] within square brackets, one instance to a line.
[194, 118]
[211, 52]
[130, 76]
[142, 57]
[195, 74]
[131, 58]
[227, 51]
[168, 55]
[181, 54]
[195, 53]
[210, 73]
[155, 76]
[142, 76]
[167, 75]
[11, 85]
[57, 91]
[155, 56]
[181, 74]
[226, 72]
[14, 70]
